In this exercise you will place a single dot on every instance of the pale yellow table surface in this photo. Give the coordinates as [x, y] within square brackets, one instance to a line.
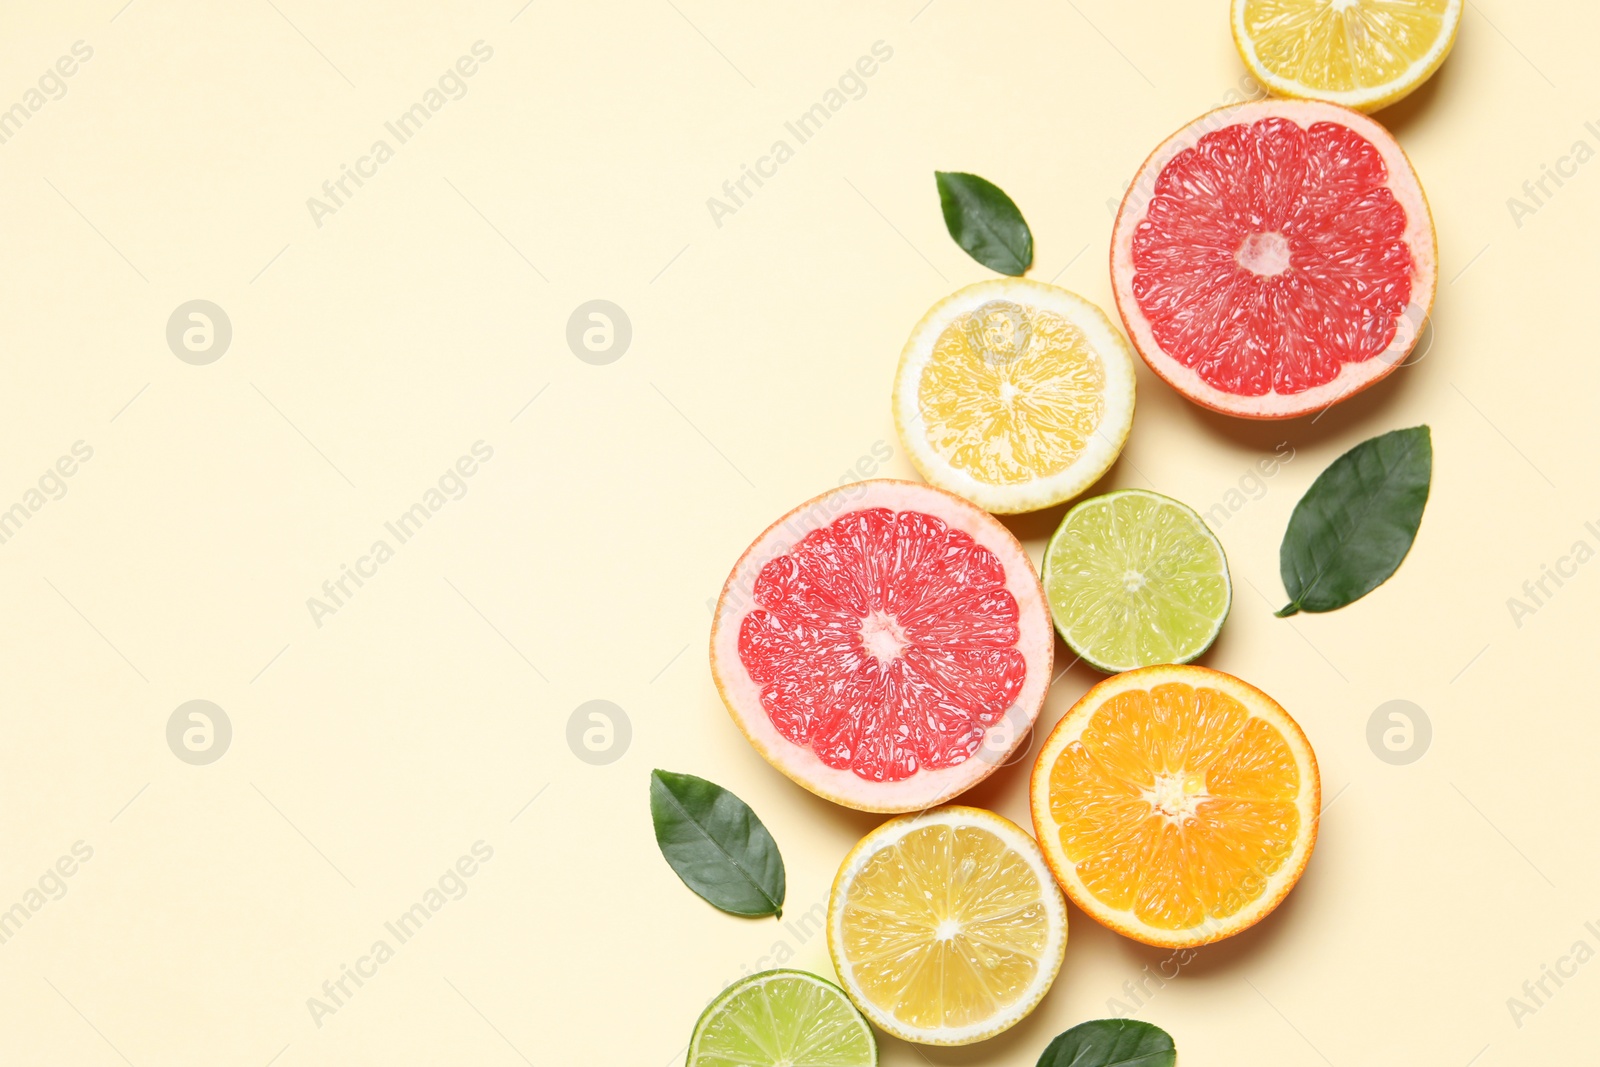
[377, 340]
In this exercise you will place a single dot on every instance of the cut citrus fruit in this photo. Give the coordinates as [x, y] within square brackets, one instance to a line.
[946, 927]
[1176, 804]
[782, 1019]
[886, 645]
[1134, 578]
[1364, 54]
[1274, 257]
[1014, 394]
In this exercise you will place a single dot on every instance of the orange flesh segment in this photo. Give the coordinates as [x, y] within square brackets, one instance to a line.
[1176, 804]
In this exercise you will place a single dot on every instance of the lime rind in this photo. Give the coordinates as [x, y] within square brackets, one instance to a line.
[1135, 579]
[782, 1017]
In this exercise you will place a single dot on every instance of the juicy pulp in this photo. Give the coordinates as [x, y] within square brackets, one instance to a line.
[886, 642]
[946, 927]
[1272, 254]
[1176, 804]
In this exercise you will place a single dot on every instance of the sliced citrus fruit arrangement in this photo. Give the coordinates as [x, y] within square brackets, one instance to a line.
[1176, 804]
[885, 644]
[782, 1019]
[1275, 257]
[1135, 578]
[1014, 394]
[946, 927]
[1364, 54]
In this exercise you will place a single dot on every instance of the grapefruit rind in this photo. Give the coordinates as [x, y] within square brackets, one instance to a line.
[926, 788]
[1367, 98]
[1105, 443]
[1125, 922]
[1353, 377]
[954, 815]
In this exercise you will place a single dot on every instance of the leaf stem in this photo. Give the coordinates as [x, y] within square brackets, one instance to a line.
[1291, 608]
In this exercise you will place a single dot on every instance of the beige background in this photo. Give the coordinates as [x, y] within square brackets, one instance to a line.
[369, 353]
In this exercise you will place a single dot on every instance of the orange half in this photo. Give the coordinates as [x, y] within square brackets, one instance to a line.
[1176, 804]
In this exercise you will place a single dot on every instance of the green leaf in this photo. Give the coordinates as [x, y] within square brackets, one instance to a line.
[716, 844]
[1111, 1043]
[985, 222]
[1355, 524]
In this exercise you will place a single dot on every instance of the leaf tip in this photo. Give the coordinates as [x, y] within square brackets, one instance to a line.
[1287, 610]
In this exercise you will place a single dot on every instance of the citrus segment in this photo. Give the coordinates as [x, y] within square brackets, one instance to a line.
[1274, 257]
[1011, 394]
[1014, 394]
[946, 927]
[1176, 804]
[885, 645]
[1135, 578]
[1364, 54]
[782, 1019]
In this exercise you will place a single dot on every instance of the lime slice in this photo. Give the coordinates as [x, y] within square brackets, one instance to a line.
[1134, 579]
[782, 1018]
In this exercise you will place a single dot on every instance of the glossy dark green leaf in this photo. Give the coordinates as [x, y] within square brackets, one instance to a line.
[1355, 524]
[716, 844]
[1111, 1043]
[985, 222]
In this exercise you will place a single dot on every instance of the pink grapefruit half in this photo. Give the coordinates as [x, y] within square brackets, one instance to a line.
[886, 645]
[1273, 258]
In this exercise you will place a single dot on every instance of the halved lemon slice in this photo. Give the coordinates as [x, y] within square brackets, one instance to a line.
[946, 926]
[1177, 805]
[1014, 394]
[1364, 54]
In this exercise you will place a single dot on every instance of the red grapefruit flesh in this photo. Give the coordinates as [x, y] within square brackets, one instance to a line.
[886, 645]
[1275, 257]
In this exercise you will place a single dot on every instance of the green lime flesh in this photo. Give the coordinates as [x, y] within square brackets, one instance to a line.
[782, 1019]
[1134, 579]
